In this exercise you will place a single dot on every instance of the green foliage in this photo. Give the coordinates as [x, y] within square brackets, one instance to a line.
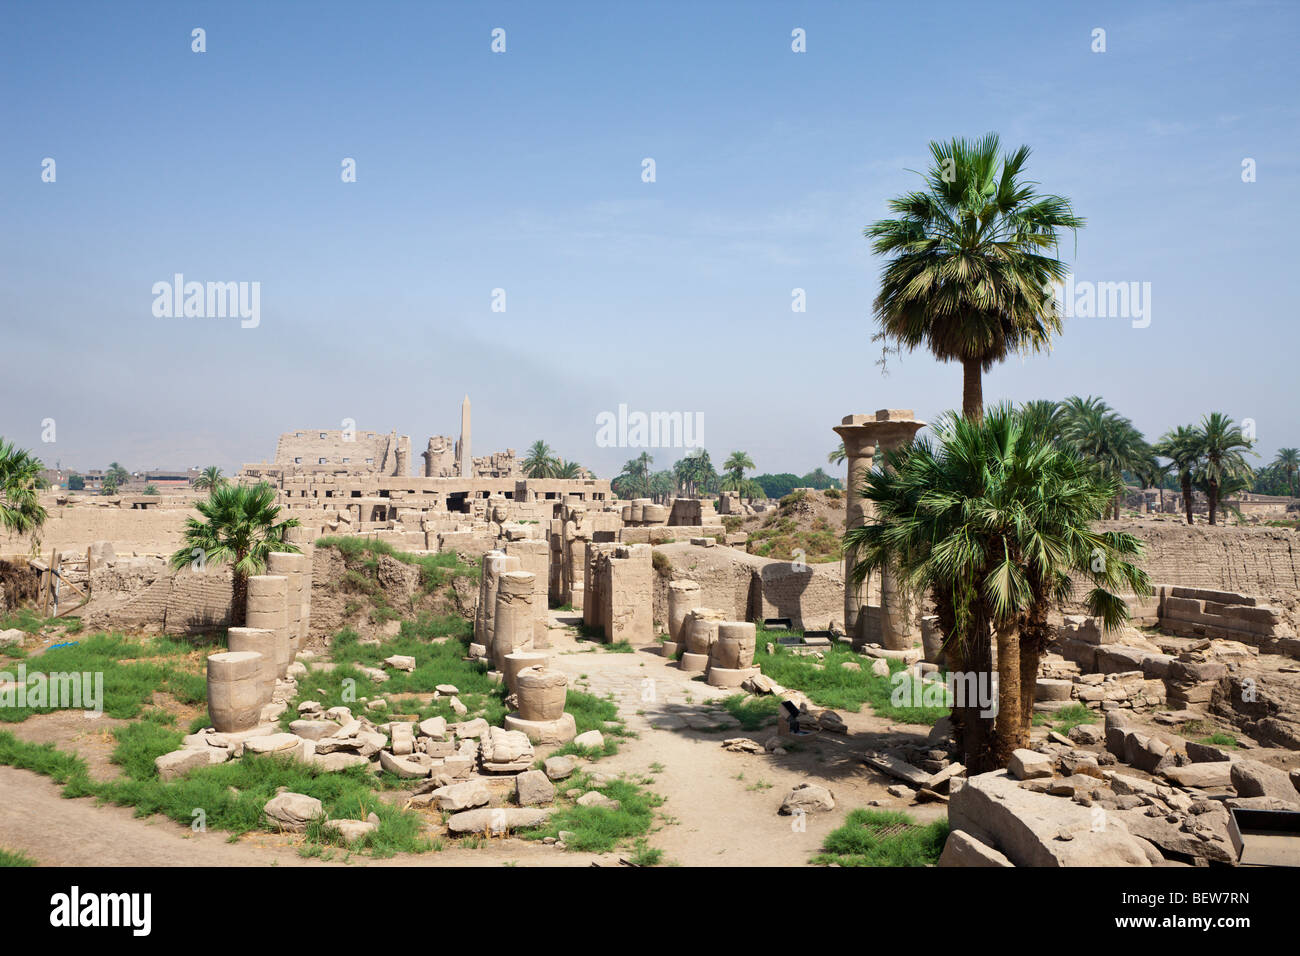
[838, 687]
[238, 528]
[753, 713]
[132, 674]
[1067, 718]
[971, 263]
[436, 570]
[601, 829]
[861, 841]
[15, 858]
[20, 477]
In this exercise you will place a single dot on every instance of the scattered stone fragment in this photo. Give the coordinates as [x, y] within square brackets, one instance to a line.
[808, 797]
[292, 811]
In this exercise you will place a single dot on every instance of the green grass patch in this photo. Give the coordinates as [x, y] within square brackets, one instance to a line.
[14, 858]
[132, 673]
[883, 838]
[601, 829]
[840, 688]
[752, 712]
[1066, 719]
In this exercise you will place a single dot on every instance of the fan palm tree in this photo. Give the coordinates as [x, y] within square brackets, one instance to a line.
[238, 528]
[973, 262]
[1220, 444]
[1288, 459]
[209, 478]
[20, 478]
[995, 523]
[1180, 446]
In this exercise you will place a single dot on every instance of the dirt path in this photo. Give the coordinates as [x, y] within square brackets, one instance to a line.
[721, 807]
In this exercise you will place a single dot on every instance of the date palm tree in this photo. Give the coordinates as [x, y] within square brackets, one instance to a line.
[1288, 460]
[1220, 444]
[1180, 446]
[1105, 438]
[738, 462]
[20, 479]
[239, 528]
[569, 469]
[116, 474]
[209, 478]
[837, 455]
[973, 262]
[995, 523]
[540, 462]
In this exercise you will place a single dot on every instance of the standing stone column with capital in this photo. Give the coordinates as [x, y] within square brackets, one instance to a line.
[865, 437]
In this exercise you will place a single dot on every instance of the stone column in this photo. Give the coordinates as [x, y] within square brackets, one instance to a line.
[292, 567]
[860, 448]
[865, 437]
[495, 564]
[305, 539]
[268, 609]
[261, 642]
[535, 556]
[234, 690]
[683, 597]
[513, 622]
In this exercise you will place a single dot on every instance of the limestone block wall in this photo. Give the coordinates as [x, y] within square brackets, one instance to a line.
[746, 587]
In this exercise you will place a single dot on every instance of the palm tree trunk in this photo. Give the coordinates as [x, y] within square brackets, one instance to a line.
[1187, 495]
[238, 599]
[1029, 657]
[1035, 638]
[1006, 726]
[970, 656]
[972, 390]
[1214, 498]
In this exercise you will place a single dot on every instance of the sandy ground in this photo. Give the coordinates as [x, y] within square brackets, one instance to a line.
[720, 807]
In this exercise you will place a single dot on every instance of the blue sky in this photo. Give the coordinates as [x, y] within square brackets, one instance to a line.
[522, 171]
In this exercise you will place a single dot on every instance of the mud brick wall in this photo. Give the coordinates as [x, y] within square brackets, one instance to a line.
[75, 527]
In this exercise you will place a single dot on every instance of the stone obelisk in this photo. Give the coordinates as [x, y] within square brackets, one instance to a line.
[466, 462]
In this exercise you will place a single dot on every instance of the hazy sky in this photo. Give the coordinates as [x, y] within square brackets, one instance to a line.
[522, 171]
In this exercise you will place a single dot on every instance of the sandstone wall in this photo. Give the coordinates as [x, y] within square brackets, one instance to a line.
[747, 587]
[1261, 562]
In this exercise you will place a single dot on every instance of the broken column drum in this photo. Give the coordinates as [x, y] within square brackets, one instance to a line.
[542, 694]
[235, 690]
[683, 597]
[513, 621]
[259, 641]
